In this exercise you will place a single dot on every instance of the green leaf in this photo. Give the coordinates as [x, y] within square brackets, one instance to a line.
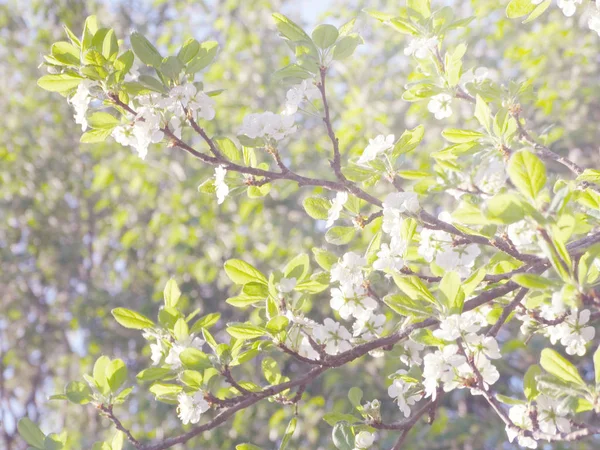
[317, 207]
[409, 140]
[340, 235]
[191, 378]
[527, 172]
[172, 293]
[277, 324]
[324, 258]
[519, 8]
[343, 439]
[103, 120]
[54, 442]
[505, 208]
[228, 148]
[99, 374]
[188, 51]
[423, 7]
[408, 307]
[118, 441]
[597, 365]
[532, 281]
[483, 113]
[355, 396]
[153, 374]
[538, 11]
[245, 331]
[78, 392]
[560, 367]
[414, 288]
[453, 296]
[206, 321]
[289, 431]
[334, 417]
[271, 370]
[247, 447]
[171, 67]
[181, 330]
[297, 268]
[145, 51]
[95, 136]
[116, 374]
[65, 53]
[31, 433]
[165, 391]
[289, 29]
[324, 36]
[530, 383]
[457, 136]
[590, 175]
[346, 46]
[131, 319]
[63, 82]
[110, 46]
[192, 358]
[240, 272]
[206, 54]
[152, 83]
[292, 72]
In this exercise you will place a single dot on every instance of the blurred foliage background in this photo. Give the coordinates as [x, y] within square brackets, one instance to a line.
[86, 228]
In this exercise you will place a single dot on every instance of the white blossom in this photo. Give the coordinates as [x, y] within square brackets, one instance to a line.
[551, 415]
[286, 285]
[421, 48]
[574, 335]
[334, 336]
[351, 301]
[81, 101]
[568, 6]
[519, 415]
[594, 20]
[412, 353]
[363, 440]
[390, 258]
[455, 325]
[336, 208]
[221, 188]
[191, 407]
[485, 345]
[376, 146]
[297, 94]
[348, 271]
[368, 325]
[491, 176]
[178, 347]
[440, 106]
[440, 367]
[157, 352]
[268, 125]
[202, 106]
[400, 391]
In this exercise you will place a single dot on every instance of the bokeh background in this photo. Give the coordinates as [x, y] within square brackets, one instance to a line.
[86, 228]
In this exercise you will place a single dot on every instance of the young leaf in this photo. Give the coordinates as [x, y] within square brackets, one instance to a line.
[289, 431]
[31, 433]
[145, 51]
[527, 172]
[171, 294]
[116, 374]
[245, 331]
[131, 319]
[530, 383]
[324, 36]
[240, 272]
[560, 367]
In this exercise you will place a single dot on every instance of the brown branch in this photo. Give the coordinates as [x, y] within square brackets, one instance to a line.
[336, 163]
[507, 311]
[107, 410]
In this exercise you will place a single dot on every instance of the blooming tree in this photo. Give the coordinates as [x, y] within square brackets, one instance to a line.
[434, 291]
